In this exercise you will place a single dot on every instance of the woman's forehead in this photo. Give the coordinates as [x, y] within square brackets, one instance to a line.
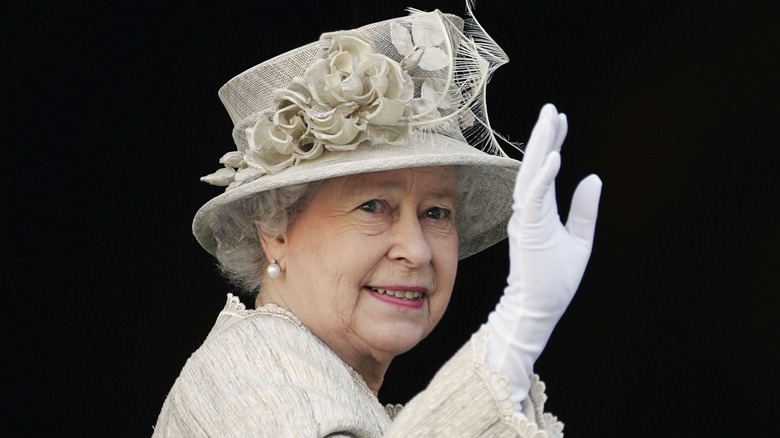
[438, 179]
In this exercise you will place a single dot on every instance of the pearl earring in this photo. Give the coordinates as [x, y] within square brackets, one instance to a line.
[273, 269]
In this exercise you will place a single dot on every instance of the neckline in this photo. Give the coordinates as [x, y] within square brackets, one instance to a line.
[234, 307]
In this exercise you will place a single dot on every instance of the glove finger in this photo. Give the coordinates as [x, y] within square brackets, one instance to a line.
[581, 222]
[563, 129]
[541, 141]
[541, 197]
[548, 111]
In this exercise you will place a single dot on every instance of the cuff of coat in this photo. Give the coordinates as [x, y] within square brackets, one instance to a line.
[468, 397]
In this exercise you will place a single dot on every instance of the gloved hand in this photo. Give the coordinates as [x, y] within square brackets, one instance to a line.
[547, 259]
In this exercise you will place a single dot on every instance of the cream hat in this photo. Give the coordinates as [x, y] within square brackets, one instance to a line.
[402, 93]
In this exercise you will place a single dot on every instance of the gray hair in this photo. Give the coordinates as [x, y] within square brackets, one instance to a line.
[239, 253]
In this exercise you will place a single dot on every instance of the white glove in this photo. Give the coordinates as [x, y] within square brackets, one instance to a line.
[547, 260]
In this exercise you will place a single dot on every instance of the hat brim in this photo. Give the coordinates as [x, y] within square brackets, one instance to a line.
[493, 176]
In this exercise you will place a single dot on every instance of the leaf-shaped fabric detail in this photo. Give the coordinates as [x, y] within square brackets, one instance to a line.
[401, 38]
[434, 58]
[411, 60]
[221, 177]
[433, 90]
[233, 159]
[248, 174]
[427, 31]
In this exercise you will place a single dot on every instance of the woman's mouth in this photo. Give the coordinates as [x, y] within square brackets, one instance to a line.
[409, 295]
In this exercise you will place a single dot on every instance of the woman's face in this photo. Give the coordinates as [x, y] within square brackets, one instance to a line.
[370, 263]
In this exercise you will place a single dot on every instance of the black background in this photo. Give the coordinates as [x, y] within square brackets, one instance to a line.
[110, 115]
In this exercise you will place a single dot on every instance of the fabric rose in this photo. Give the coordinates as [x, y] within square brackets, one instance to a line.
[351, 95]
[280, 140]
[347, 97]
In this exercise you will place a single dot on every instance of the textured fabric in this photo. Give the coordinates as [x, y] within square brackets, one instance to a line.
[261, 373]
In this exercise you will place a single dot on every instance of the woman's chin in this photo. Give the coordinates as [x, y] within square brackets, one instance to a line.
[397, 338]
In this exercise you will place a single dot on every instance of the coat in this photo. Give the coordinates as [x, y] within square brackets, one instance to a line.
[262, 373]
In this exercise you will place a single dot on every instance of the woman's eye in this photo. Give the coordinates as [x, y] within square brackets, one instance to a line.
[437, 213]
[371, 206]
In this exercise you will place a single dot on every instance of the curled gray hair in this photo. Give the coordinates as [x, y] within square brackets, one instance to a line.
[239, 253]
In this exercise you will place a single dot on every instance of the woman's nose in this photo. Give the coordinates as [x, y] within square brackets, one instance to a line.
[410, 244]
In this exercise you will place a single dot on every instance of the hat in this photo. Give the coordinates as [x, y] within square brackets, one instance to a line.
[402, 93]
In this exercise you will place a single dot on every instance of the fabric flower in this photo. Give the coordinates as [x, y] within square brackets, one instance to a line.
[347, 97]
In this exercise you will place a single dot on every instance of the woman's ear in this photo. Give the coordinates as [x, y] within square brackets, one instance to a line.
[274, 247]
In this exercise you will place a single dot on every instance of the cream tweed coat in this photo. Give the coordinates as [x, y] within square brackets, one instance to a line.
[262, 373]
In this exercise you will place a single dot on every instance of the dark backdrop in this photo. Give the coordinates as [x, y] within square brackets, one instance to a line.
[110, 115]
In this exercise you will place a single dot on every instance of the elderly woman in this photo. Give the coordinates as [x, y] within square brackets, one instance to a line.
[359, 182]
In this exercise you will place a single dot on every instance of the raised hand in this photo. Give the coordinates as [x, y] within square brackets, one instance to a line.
[547, 259]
